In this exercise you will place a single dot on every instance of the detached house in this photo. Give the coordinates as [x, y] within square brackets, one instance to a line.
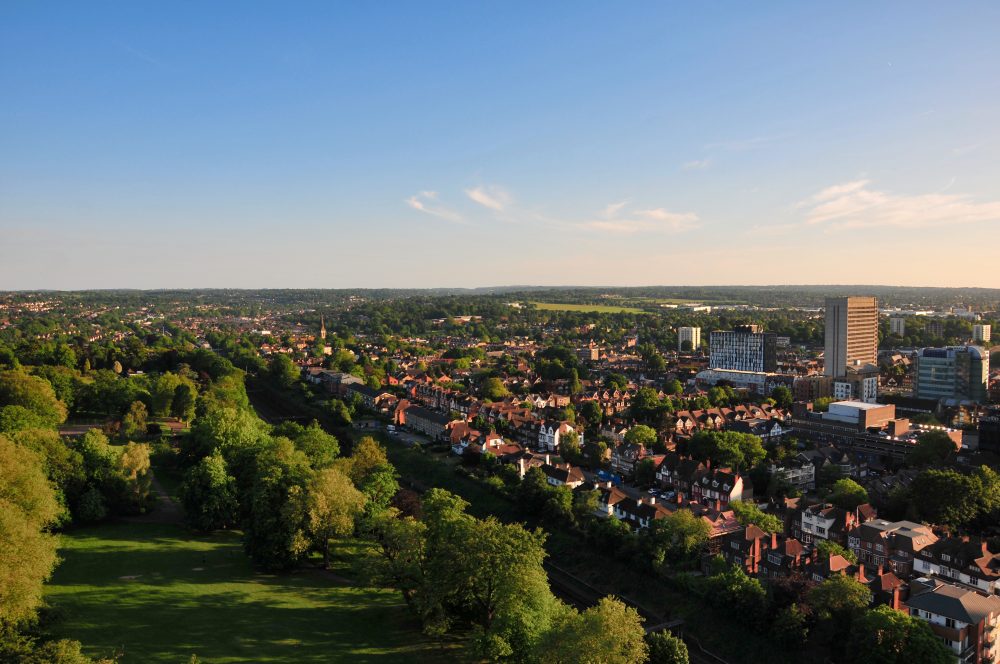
[722, 484]
[625, 458]
[828, 522]
[961, 561]
[549, 434]
[966, 621]
[891, 544]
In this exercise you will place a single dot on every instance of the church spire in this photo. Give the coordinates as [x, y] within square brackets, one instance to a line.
[322, 328]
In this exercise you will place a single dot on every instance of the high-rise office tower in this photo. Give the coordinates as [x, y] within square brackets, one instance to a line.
[691, 335]
[851, 333]
[745, 348]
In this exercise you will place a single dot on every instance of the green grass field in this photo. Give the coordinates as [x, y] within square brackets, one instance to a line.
[587, 308]
[157, 593]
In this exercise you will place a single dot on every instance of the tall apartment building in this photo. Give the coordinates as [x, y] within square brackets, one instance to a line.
[744, 348]
[691, 335]
[897, 326]
[851, 333]
[953, 372]
[965, 620]
[982, 333]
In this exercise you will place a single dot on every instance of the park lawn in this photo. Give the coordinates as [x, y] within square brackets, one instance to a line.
[157, 593]
[587, 308]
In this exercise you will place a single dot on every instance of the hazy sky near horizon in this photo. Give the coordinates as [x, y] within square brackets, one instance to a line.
[322, 144]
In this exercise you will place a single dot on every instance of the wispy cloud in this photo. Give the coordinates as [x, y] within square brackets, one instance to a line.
[493, 197]
[696, 165]
[658, 220]
[145, 57]
[612, 209]
[857, 204]
[427, 202]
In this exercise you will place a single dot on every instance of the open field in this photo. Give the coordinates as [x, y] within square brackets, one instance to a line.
[587, 308]
[157, 593]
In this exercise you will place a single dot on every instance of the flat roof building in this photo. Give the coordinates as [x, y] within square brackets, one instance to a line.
[851, 334]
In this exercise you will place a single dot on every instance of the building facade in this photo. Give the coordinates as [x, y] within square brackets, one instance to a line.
[744, 348]
[691, 335]
[851, 334]
[953, 372]
[897, 326]
[982, 333]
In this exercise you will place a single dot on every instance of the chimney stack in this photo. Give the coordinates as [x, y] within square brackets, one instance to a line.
[520, 467]
[774, 541]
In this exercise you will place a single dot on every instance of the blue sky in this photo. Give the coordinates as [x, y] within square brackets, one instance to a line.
[188, 144]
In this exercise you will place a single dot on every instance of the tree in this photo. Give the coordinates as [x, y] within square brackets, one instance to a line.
[933, 447]
[597, 453]
[19, 418]
[592, 412]
[228, 429]
[283, 371]
[838, 602]
[734, 591]
[379, 487]
[134, 465]
[641, 434]
[334, 504]
[569, 447]
[400, 543]
[341, 413]
[749, 513]
[848, 494]
[645, 472]
[183, 404]
[673, 388]
[209, 494]
[678, 539]
[665, 648]
[134, 421]
[886, 636]
[616, 381]
[574, 382]
[493, 389]
[948, 497]
[366, 457]
[35, 394]
[728, 448]
[645, 404]
[827, 548]
[321, 448]
[28, 507]
[276, 528]
[822, 404]
[608, 633]
[162, 392]
[782, 397]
